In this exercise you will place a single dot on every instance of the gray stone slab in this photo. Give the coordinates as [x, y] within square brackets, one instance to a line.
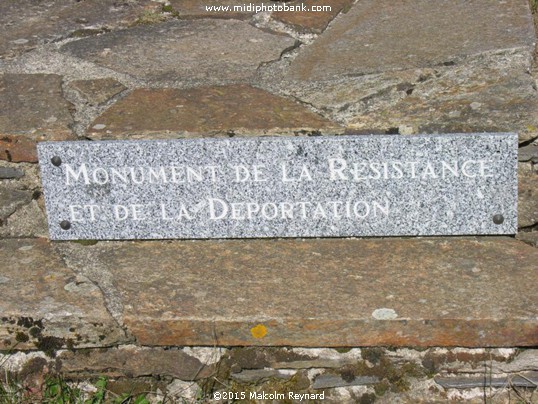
[281, 187]
[328, 381]
[29, 23]
[206, 51]
[528, 379]
[381, 35]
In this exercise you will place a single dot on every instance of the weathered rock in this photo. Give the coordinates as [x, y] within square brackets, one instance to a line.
[207, 51]
[45, 306]
[328, 381]
[528, 153]
[11, 199]
[529, 379]
[27, 221]
[28, 24]
[530, 237]
[98, 91]
[133, 361]
[528, 201]
[10, 173]
[491, 93]
[462, 292]
[224, 8]
[236, 109]
[311, 21]
[32, 108]
[255, 375]
[376, 36]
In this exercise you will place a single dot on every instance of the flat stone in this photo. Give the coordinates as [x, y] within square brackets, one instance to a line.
[530, 237]
[528, 153]
[190, 51]
[28, 23]
[255, 375]
[32, 108]
[376, 36]
[11, 199]
[311, 21]
[492, 92]
[462, 292]
[527, 379]
[133, 361]
[27, 221]
[528, 201]
[328, 381]
[10, 173]
[225, 8]
[235, 109]
[482, 97]
[98, 91]
[45, 306]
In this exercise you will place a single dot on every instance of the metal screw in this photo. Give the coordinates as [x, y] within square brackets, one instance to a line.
[65, 224]
[498, 219]
[56, 161]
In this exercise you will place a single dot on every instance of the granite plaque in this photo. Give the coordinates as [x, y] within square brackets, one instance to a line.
[325, 186]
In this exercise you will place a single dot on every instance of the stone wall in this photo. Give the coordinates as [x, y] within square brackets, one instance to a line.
[367, 375]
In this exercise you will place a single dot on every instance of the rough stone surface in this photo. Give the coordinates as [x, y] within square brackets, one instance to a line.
[27, 221]
[529, 379]
[28, 23]
[98, 91]
[415, 196]
[11, 199]
[185, 51]
[458, 99]
[310, 21]
[236, 109]
[255, 375]
[327, 381]
[133, 361]
[202, 293]
[45, 306]
[530, 237]
[491, 92]
[529, 153]
[197, 9]
[10, 173]
[384, 35]
[528, 201]
[32, 108]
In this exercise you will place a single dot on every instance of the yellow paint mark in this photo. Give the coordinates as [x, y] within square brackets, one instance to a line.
[258, 331]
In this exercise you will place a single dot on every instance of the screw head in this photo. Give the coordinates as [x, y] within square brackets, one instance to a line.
[498, 219]
[56, 161]
[65, 224]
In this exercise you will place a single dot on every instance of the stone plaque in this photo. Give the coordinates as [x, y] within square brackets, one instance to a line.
[330, 186]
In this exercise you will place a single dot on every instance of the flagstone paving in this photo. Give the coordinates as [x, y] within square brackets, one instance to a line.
[144, 69]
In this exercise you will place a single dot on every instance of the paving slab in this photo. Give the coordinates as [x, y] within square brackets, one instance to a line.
[29, 24]
[32, 108]
[486, 93]
[205, 51]
[235, 109]
[329, 292]
[483, 96]
[45, 305]
[376, 36]
[311, 21]
[98, 91]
